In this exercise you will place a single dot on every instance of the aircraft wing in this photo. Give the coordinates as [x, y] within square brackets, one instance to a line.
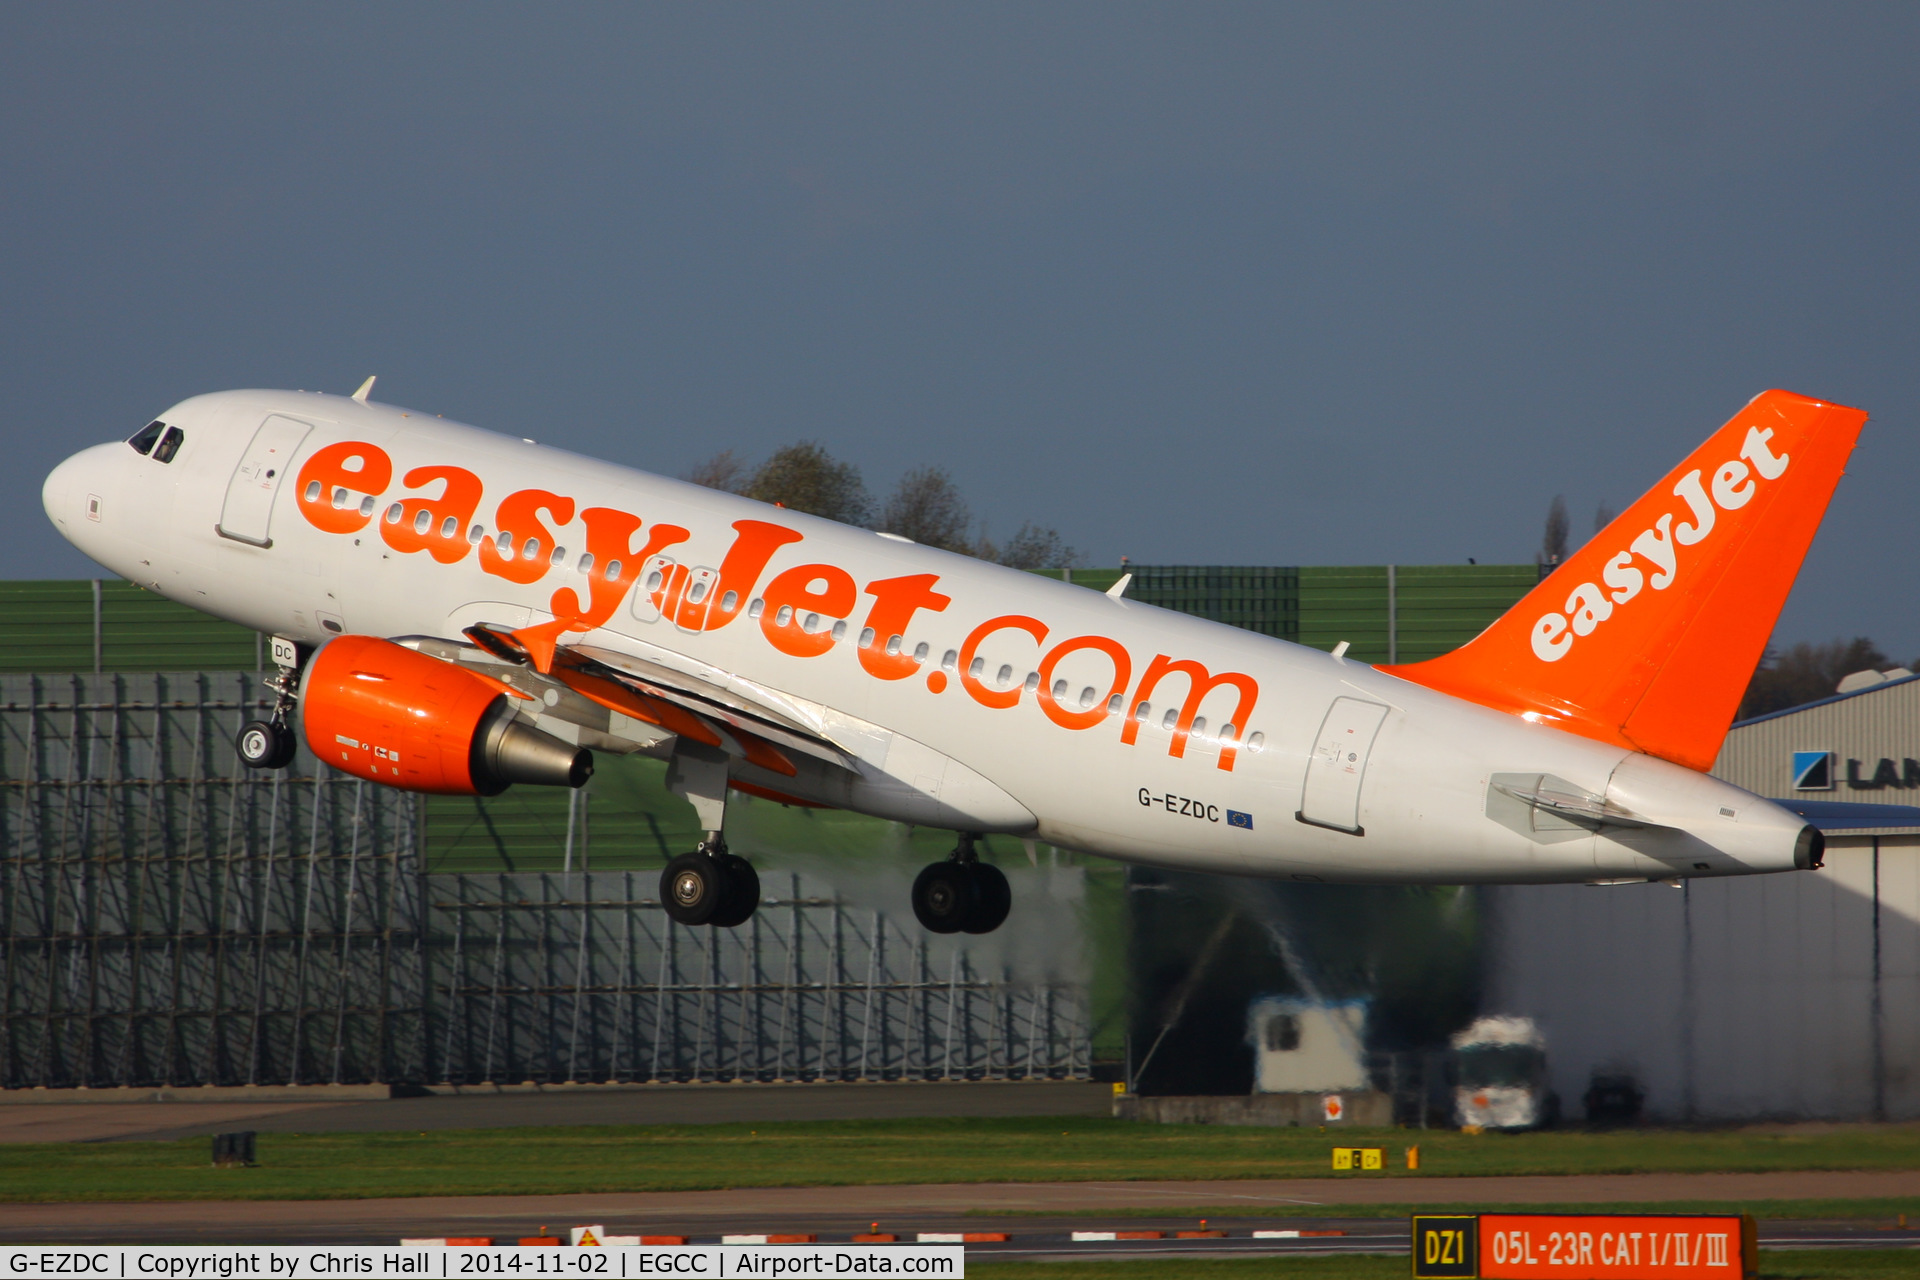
[758, 729]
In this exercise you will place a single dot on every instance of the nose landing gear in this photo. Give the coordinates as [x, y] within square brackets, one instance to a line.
[270, 743]
[962, 894]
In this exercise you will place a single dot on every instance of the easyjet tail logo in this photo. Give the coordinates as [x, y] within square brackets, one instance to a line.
[1652, 559]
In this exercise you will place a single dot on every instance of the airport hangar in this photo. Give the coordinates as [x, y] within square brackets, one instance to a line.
[172, 920]
[1793, 996]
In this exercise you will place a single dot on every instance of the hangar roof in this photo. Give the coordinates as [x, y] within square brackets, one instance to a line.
[1848, 764]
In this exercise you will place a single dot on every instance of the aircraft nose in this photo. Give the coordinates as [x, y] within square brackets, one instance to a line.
[73, 493]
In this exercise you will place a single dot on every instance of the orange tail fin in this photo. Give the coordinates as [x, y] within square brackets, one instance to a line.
[1647, 636]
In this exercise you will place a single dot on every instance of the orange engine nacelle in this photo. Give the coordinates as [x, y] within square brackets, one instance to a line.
[389, 714]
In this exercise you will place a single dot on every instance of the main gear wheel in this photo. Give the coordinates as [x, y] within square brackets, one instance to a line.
[710, 886]
[962, 895]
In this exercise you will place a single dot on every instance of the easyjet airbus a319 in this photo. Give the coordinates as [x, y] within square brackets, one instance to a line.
[456, 611]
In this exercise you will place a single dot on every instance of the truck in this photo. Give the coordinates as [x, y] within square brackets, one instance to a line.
[1502, 1075]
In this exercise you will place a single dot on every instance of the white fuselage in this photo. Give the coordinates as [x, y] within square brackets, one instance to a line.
[1428, 796]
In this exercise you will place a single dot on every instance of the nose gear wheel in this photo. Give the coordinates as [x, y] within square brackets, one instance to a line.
[265, 744]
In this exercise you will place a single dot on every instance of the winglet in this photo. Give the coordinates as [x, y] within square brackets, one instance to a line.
[366, 388]
[1647, 636]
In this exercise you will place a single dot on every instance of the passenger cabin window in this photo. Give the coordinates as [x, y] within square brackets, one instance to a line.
[143, 440]
[1283, 1033]
[169, 444]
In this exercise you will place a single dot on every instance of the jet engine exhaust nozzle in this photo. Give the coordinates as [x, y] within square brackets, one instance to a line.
[1810, 850]
[507, 750]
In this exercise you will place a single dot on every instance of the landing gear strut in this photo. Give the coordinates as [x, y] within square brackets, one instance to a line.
[709, 885]
[962, 894]
[270, 743]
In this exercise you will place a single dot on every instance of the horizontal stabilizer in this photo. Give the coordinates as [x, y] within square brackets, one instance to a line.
[1584, 808]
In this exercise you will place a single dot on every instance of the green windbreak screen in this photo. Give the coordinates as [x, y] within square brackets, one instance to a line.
[1435, 608]
[55, 626]
[1347, 603]
[1098, 579]
[1258, 598]
[1442, 606]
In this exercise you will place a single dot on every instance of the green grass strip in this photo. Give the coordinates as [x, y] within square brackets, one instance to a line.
[536, 1161]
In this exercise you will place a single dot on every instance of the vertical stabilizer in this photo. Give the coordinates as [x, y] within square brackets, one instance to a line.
[1648, 635]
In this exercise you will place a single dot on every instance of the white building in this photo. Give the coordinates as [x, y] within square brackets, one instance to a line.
[1300, 1046]
[1794, 995]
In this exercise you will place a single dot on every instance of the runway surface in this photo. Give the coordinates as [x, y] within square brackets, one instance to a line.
[557, 1105]
[1038, 1216]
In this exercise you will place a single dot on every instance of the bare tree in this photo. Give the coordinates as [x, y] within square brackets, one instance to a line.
[1553, 545]
[1603, 516]
[926, 506]
[1808, 672]
[805, 477]
[725, 470]
[1031, 547]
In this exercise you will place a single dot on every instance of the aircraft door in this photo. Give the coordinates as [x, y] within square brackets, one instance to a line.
[695, 598]
[248, 511]
[655, 590]
[1331, 796]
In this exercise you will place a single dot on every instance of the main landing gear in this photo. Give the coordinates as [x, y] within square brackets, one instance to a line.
[710, 886]
[962, 894]
[270, 743]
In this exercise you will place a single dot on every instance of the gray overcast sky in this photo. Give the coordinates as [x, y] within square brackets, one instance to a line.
[1259, 284]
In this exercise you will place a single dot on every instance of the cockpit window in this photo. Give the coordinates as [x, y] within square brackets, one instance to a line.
[169, 444]
[143, 439]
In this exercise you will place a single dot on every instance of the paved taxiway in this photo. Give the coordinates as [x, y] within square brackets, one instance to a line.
[1039, 1215]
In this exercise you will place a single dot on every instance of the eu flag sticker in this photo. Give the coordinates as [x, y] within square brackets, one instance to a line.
[1813, 771]
[1235, 818]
